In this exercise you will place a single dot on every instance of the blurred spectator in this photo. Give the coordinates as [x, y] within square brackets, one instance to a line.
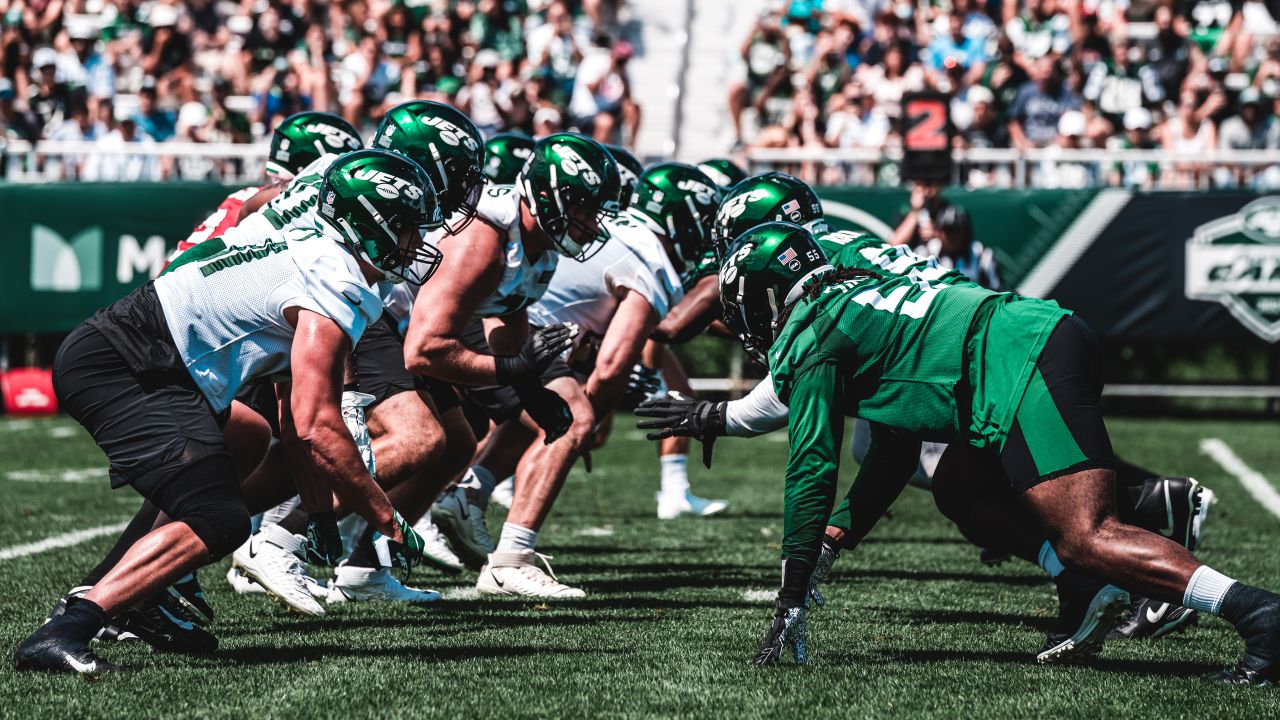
[1041, 101]
[601, 101]
[1137, 136]
[1253, 128]
[1186, 135]
[766, 55]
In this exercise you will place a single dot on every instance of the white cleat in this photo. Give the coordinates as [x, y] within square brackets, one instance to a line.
[242, 584]
[270, 559]
[513, 572]
[462, 522]
[356, 584]
[504, 493]
[435, 551]
[671, 506]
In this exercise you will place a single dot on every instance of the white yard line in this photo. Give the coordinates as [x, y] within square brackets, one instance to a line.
[1252, 480]
[60, 541]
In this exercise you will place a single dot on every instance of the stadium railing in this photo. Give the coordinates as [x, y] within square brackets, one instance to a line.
[1041, 167]
[22, 161]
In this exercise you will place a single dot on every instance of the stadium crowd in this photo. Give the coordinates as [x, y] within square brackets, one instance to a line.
[215, 71]
[1186, 76]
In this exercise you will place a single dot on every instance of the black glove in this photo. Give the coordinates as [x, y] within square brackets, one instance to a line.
[642, 383]
[543, 346]
[547, 409]
[679, 416]
[324, 542]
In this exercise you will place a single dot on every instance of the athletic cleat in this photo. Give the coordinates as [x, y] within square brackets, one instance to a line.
[1176, 507]
[188, 592]
[504, 493]
[243, 585]
[992, 558]
[1153, 619]
[111, 632]
[357, 584]
[165, 625]
[1260, 629]
[826, 558]
[513, 572]
[47, 650]
[787, 630]
[435, 551]
[460, 516]
[1087, 610]
[270, 559]
[672, 506]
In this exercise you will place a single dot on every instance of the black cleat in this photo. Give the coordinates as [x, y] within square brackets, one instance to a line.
[1153, 619]
[992, 558]
[1260, 628]
[163, 624]
[190, 595]
[109, 633]
[1175, 507]
[1087, 610]
[786, 630]
[51, 651]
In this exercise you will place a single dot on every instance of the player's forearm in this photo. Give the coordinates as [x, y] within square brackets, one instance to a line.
[758, 413]
[888, 465]
[324, 449]
[449, 360]
[605, 390]
[817, 426]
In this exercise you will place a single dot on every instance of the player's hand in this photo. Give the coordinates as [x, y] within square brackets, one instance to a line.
[324, 542]
[547, 409]
[678, 416]
[404, 554]
[644, 383]
[826, 558]
[787, 630]
[543, 346]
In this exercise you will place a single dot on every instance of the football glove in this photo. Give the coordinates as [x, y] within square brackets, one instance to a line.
[787, 630]
[644, 384]
[826, 558]
[547, 409]
[324, 542]
[678, 416]
[543, 346]
[404, 555]
[353, 405]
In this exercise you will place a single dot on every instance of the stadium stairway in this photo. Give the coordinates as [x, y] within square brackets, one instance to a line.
[686, 51]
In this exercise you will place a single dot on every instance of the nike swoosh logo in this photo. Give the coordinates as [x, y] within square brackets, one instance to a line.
[1158, 615]
[1167, 530]
[184, 624]
[79, 666]
[499, 582]
[252, 552]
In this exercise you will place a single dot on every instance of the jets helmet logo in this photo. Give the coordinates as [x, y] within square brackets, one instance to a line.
[702, 194]
[736, 205]
[450, 133]
[573, 164]
[389, 186]
[334, 137]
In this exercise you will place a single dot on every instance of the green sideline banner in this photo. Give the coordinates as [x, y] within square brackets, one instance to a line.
[1159, 266]
[72, 248]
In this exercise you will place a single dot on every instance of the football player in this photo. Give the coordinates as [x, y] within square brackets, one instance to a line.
[504, 156]
[895, 349]
[165, 362]
[470, 327]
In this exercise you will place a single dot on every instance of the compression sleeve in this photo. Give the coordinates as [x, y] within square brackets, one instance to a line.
[758, 413]
[890, 462]
[817, 426]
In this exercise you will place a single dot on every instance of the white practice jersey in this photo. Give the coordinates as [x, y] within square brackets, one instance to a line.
[588, 293]
[295, 205]
[523, 280]
[225, 303]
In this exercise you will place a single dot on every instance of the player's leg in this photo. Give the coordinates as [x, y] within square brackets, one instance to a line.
[675, 499]
[460, 512]
[541, 473]
[1059, 455]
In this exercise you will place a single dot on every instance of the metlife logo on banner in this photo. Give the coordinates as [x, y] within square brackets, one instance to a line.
[76, 264]
[1235, 260]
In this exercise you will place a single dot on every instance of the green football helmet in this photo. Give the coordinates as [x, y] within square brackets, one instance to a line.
[302, 138]
[505, 153]
[629, 171]
[447, 145]
[725, 173]
[374, 198]
[761, 198]
[680, 202]
[567, 177]
[765, 271]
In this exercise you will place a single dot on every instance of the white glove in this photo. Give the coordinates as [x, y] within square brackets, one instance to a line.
[353, 405]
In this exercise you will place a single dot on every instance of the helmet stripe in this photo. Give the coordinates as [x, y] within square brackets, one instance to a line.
[377, 218]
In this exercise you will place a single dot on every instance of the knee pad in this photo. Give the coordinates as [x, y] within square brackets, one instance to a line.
[206, 497]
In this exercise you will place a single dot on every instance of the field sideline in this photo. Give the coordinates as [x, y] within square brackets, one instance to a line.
[914, 626]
